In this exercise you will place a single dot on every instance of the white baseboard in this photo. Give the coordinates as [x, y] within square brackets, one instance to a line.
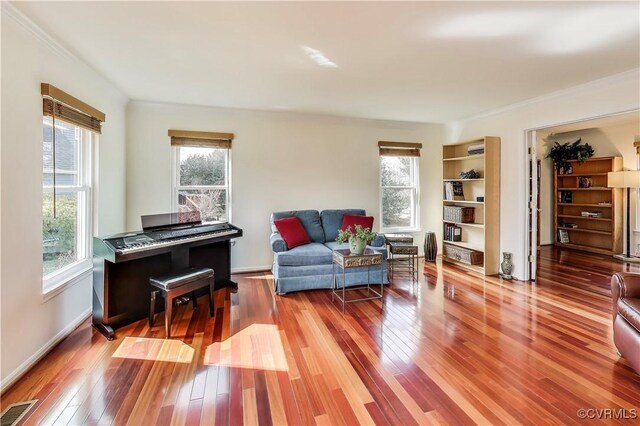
[248, 269]
[16, 374]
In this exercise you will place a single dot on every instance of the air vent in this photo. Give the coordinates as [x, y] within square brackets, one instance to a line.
[12, 415]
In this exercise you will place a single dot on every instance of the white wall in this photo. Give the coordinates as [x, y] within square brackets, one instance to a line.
[615, 94]
[607, 141]
[280, 161]
[29, 322]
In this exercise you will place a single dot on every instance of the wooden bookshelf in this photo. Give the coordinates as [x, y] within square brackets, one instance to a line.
[483, 234]
[587, 186]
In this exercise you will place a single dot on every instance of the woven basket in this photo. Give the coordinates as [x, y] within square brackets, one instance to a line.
[464, 255]
[459, 214]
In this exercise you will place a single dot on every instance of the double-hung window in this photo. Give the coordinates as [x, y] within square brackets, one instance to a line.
[69, 134]
[399, 186]
[202, 173]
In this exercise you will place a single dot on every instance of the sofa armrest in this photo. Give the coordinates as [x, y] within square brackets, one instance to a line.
[378, 241]
[625, 285]
[277, 243]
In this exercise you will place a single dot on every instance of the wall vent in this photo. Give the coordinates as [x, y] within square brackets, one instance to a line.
[12, 415]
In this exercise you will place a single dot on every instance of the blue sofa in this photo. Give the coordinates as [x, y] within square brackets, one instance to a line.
[310, 267]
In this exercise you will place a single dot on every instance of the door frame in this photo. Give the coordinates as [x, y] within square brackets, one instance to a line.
[531, 191]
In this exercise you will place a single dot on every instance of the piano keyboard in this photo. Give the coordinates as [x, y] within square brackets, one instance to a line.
[174, 241]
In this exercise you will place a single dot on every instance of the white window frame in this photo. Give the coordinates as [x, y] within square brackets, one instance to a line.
[67, 275]
[175, 179]
[415, 186]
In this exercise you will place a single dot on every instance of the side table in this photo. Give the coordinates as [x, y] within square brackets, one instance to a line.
[410, 258]
[344, 259]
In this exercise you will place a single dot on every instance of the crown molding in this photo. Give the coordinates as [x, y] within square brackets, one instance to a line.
[630, 74]
[9, 10]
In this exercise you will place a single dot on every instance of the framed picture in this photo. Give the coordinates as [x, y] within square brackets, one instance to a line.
[563, 236]
[584, 182]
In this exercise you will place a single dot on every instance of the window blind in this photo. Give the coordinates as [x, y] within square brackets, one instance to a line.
[62, 106]
[399, 149]
[205, 139]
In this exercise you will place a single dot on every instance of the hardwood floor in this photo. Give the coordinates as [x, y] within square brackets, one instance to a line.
[455, 348]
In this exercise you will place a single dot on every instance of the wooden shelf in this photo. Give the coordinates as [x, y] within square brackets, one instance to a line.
[589, 231]
[463, 201]
[602, 219]
[483, 235]
[464, 157]
[585, 189]
[583, 175]
[464, 244]
[585, 248]
[472, 225]
[593, 233]
[603, 206]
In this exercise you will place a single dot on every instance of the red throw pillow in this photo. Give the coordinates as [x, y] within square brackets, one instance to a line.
[353, 220]
[292, 231]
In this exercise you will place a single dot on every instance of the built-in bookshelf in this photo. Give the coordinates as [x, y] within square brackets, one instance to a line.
[481, 193]
[588, 214]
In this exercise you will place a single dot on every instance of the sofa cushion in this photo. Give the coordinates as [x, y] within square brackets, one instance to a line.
[292, 231]
[308, 254]
[629, 309]
[310, 220]
[352, 220]
[332, 221]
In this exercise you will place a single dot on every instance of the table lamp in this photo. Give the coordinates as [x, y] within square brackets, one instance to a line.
[625, 179]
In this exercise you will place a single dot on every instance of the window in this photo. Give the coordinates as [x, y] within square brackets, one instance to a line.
[399, 188]
[68, 135]
[202, 174]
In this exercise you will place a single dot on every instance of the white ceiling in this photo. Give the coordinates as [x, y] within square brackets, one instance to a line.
[413, 61]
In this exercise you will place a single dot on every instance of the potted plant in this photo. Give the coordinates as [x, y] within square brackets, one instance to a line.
[358, 240]
[562, 153]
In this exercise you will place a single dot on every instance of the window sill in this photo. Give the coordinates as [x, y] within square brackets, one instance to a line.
[74, 276]
[400, 230]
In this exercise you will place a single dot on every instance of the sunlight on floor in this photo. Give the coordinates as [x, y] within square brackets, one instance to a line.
[258, 347]
[147, 349]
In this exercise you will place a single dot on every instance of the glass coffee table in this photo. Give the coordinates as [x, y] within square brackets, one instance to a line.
[343, 259]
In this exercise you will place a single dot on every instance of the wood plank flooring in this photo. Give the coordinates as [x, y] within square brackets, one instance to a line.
[455, 348]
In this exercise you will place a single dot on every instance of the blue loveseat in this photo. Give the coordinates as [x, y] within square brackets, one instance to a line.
[309, 266]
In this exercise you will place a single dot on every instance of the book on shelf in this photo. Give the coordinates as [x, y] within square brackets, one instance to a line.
[475, 149]
[563, 236]
[453, 191]
[568, 225]
[452, 232]
[566, 197]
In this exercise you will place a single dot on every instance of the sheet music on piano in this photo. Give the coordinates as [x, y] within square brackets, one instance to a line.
[123, 263]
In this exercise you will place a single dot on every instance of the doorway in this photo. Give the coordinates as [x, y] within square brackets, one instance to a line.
[610, 136]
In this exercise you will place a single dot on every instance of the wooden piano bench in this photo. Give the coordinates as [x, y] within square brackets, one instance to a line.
[178, 284]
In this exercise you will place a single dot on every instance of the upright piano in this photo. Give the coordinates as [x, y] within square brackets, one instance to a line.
[123, 263]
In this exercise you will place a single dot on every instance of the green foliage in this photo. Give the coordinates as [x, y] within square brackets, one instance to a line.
[562, 153]
[203, 169]
[59, 233]
[361, 233]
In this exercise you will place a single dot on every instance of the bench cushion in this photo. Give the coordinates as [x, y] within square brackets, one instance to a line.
[177, 279]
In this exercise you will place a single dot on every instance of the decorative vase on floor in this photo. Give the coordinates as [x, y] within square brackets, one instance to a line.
[357, 245]
[430, 246]
[507, 266]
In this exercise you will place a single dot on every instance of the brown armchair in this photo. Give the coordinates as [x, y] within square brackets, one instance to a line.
[625, 289]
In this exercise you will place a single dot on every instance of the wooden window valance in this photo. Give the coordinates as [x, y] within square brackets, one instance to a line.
[61, 106]
[399, 149]
[205, 139]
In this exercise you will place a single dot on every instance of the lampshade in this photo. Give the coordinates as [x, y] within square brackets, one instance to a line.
[624, 179]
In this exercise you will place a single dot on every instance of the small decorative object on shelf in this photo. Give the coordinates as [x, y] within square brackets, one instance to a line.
[453, 191]
[480, 199]
[566, 197]
[430, 247]
[471, 174]
[563, 236]
[584, 182]
[507, 266]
